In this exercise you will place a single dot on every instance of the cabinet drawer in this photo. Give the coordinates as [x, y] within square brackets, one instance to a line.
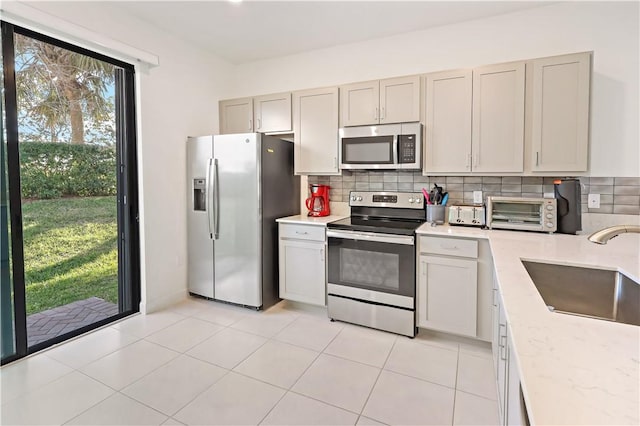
[449, 246]
[302, 232]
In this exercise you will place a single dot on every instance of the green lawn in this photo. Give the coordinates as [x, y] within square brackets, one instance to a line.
[70, 251]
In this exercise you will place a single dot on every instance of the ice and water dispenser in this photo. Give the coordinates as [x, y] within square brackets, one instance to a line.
[199, 195]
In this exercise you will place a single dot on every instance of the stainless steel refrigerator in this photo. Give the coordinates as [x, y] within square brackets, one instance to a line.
[238, 185]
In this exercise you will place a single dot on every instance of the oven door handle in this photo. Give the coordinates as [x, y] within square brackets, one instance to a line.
[371, 236]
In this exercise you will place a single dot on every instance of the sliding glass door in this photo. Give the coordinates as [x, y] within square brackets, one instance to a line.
[71, 231]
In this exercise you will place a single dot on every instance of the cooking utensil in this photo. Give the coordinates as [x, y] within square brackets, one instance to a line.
[426, 196]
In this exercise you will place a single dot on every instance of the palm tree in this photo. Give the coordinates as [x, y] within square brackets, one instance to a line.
[59, 89]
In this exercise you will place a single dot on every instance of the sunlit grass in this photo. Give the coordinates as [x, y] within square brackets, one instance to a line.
[70, 251]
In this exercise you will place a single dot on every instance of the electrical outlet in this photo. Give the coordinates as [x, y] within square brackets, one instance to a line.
[549, 195]
[477, 197]
[594, 201]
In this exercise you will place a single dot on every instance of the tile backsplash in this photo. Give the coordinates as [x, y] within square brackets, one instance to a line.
[618, 195]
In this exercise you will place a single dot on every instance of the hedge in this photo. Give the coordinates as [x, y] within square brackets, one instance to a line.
[54, 170]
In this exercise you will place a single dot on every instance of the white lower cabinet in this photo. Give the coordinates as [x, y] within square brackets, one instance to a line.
[447, 294]
[454, 286]
[512, 408]
[302, 262]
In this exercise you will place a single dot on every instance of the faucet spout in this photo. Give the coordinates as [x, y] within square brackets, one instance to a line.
[604, 235]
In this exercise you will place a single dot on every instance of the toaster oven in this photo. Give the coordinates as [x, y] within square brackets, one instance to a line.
[522, 214]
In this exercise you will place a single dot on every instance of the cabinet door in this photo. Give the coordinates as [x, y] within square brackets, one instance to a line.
[272, 113]
[503, 361]
[560, 119]
[359, 103]
[400, 100]
[302, 271]
[447, 294]
[498, 118]
[315, 128]
[236, 116]
[448, 122]
[516, 414]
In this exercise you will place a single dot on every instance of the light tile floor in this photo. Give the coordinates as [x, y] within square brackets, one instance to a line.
[203, 362]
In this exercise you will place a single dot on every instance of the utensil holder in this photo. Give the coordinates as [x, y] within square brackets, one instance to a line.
[435, 213]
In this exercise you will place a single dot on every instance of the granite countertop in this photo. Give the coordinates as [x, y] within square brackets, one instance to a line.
[308, 220]
[573, 370]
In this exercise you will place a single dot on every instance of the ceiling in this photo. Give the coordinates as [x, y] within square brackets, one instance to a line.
[255, 30]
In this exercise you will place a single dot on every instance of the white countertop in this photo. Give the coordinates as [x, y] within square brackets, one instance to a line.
[574, 370]
[308, 220]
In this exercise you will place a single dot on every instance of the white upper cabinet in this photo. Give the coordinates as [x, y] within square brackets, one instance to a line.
[264, 114]
[236, 116]
[448, 122]
[359, 103]
[393, 100]
[560, 113]
[315, 129]
[272, 113]
[497, 137]
[400, 100]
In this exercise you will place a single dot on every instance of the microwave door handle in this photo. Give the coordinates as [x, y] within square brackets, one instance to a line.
[396, 159]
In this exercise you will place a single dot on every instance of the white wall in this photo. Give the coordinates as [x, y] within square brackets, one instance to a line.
[176, 99]
[610, 29]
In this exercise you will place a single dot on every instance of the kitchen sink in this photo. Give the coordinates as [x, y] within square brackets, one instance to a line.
[596, 293]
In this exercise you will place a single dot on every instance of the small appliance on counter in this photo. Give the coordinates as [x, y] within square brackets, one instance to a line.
[318, 203]
[522, 214]
[467, 214]
[569, 198]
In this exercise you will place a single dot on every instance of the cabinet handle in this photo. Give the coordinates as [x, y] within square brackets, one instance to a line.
[442, 246]
[335, 162]
[475, 160]
[375, 114]
[302, 233]
[503, 343]
[537, 158]
[250, 124]
[259, 122]
[503, 348]
[321, 255]
[468, 163]
[382, 114]
[424, 268]
[495, 292]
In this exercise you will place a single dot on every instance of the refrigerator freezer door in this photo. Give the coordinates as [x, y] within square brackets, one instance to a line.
[237, 246]
[199, 242]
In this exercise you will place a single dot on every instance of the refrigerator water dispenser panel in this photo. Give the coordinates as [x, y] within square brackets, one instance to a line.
[199, 195]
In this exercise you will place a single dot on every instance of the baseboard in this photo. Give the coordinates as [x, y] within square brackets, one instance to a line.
[161, 303]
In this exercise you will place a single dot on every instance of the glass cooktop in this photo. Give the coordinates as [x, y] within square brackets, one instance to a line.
[379, 225]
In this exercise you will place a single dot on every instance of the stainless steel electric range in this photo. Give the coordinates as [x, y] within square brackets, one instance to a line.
[372, 261]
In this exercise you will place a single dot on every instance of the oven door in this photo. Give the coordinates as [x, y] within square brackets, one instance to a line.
[373, 267]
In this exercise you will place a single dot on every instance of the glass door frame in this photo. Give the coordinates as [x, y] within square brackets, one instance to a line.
[127, 191]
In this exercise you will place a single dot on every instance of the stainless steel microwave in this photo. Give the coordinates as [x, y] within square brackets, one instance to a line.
[387, 146]
[523, 214]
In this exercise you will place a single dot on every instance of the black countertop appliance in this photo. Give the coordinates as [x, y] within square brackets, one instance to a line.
[569, 198]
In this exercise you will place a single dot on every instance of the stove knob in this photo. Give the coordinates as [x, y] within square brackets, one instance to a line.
[549, 225]
[418, 200]
[411, 200]
[353, 198]
[359, 198]
[549, 216]
[549, 207]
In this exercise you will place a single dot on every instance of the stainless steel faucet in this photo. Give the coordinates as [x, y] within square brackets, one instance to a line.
[604, 235]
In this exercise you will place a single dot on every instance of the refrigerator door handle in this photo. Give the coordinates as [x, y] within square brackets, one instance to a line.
[209, 197]
[216, 215]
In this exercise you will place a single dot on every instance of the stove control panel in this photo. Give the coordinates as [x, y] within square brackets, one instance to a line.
[404, 200]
